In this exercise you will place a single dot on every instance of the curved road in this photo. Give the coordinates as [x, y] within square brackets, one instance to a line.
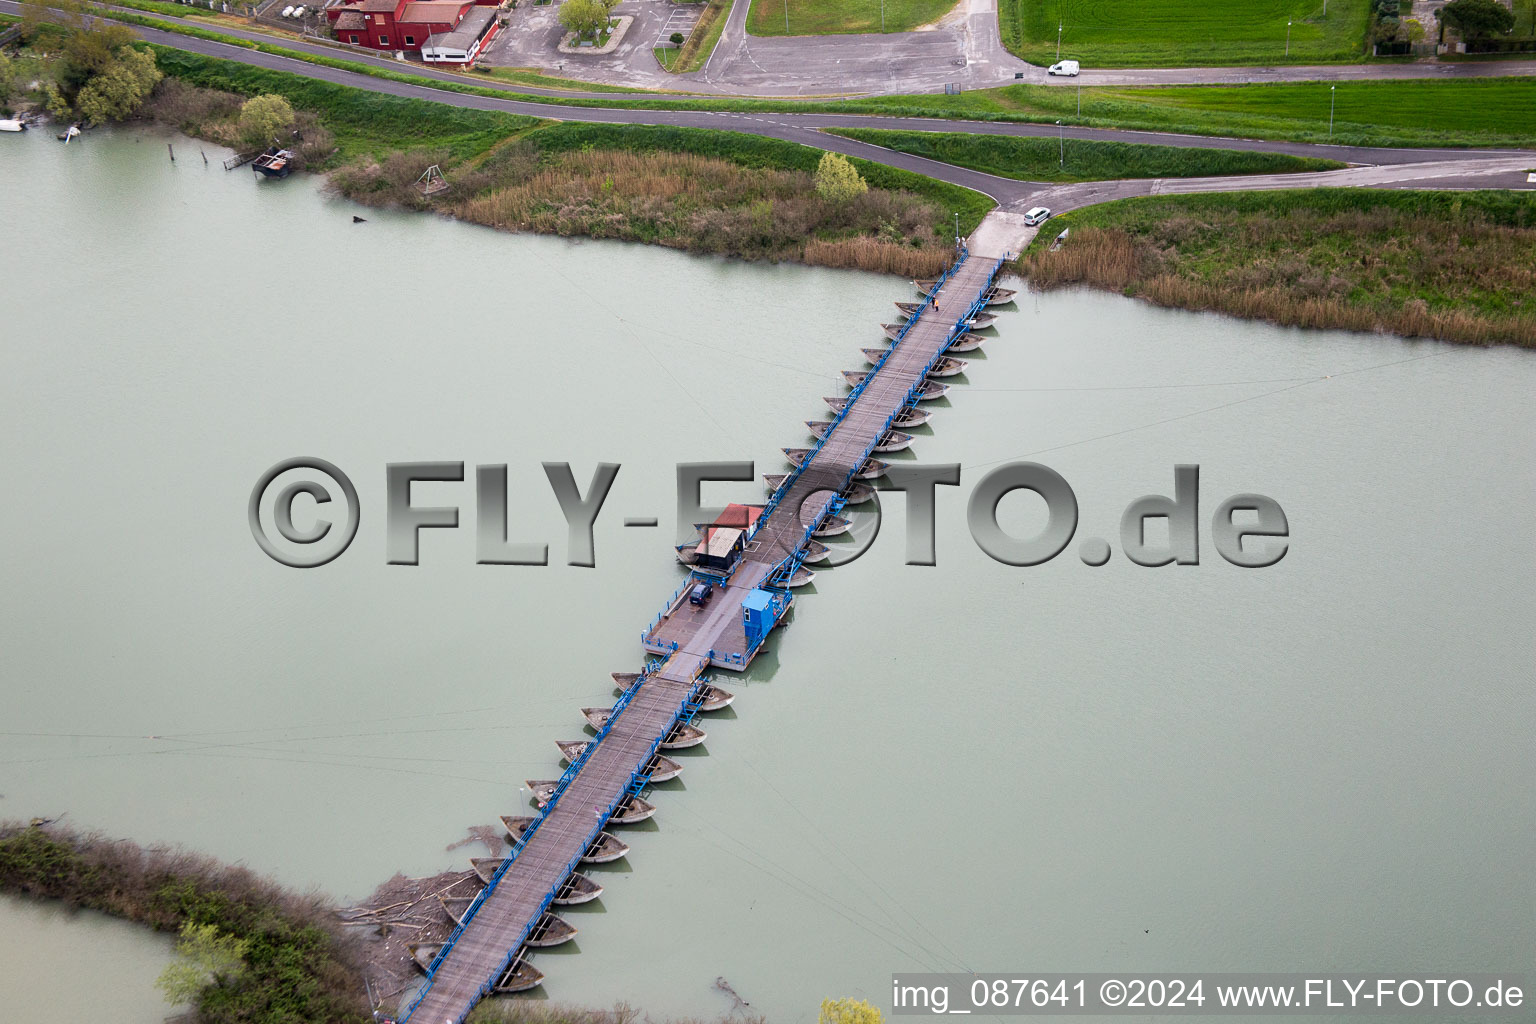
[1376, 167]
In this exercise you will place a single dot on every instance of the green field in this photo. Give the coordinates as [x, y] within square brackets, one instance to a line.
[1179, 33]
[1456, 112]
[1050, 159]
[822, 17]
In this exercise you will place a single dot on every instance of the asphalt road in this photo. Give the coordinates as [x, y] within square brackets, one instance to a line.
[1374, 167]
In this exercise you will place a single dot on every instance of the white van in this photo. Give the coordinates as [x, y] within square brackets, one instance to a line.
[1069, 68]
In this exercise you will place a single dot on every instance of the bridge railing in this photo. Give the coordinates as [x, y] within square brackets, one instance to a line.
[848, 403]
[521, 842]
[630, 788]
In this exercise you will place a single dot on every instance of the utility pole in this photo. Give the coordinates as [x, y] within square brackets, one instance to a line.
[1061, 137]
[1333, 96]
[1287, 38]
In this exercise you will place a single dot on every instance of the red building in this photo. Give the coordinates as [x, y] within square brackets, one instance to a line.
[444, 31]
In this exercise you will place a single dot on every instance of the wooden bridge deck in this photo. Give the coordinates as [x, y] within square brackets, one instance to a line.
[693, 638]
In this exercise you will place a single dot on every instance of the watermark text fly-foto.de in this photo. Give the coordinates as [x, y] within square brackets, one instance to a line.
[304, 512]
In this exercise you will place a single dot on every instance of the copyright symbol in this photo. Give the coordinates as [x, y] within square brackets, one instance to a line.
[282, 512]
[1112, 992]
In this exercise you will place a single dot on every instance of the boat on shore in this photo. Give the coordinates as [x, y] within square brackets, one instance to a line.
[12, 124]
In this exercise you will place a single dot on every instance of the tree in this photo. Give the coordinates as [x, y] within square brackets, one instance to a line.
[837, 180]
[1478, 19]
[204, 956]
[584, 17]
[1414, 29]
[264, 118]
[120, 88]
[848, 1011]
[676, 38]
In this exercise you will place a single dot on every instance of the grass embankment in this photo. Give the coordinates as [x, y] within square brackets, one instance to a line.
[1040, 159]
[1457, 266]
[1180, 33]
[1456, 112]
[823, 17]
[297, 966]
[694, 189]
[695, 51]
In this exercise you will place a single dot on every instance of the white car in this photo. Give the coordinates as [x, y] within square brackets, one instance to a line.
[1069, 68]
[287, 12]
[1039, 215]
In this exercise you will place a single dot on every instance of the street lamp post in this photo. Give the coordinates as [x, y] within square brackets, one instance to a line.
[1058, 40]
[1287, 39]
[1333, 97]
[882, 15]
[1061, 137]
[786, 17]
[1079, 97]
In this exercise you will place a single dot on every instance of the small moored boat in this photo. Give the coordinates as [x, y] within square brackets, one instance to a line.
[911, 308]
[12, 124]
[816, 551]
[274, 163]
[519, 977]
[630, 810]
[596, 717]
[832, 526]
[999, 296]
[874, 355]
[947, 367]
[967, 342]
[713, 698]
[549, 931]
[979, 320]
[577, 888]
[801, 577]
[542, 789]
[893, 331]
[683, 735]
[858, 492]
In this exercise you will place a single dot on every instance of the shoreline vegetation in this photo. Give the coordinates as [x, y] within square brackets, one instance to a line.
[700, 190]
[297, 963]
[1452, 266]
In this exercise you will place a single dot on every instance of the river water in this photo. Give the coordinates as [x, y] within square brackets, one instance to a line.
[1322, 765]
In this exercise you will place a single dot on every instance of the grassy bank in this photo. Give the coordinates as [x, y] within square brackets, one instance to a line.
[1048, 159]
[1454, 266]
[820, 17]
[297, 966]
[1181, 33]
[364, 123]
[694, 189]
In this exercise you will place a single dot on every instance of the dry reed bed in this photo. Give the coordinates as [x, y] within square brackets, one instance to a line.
[682, 200]
[1469, 281]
